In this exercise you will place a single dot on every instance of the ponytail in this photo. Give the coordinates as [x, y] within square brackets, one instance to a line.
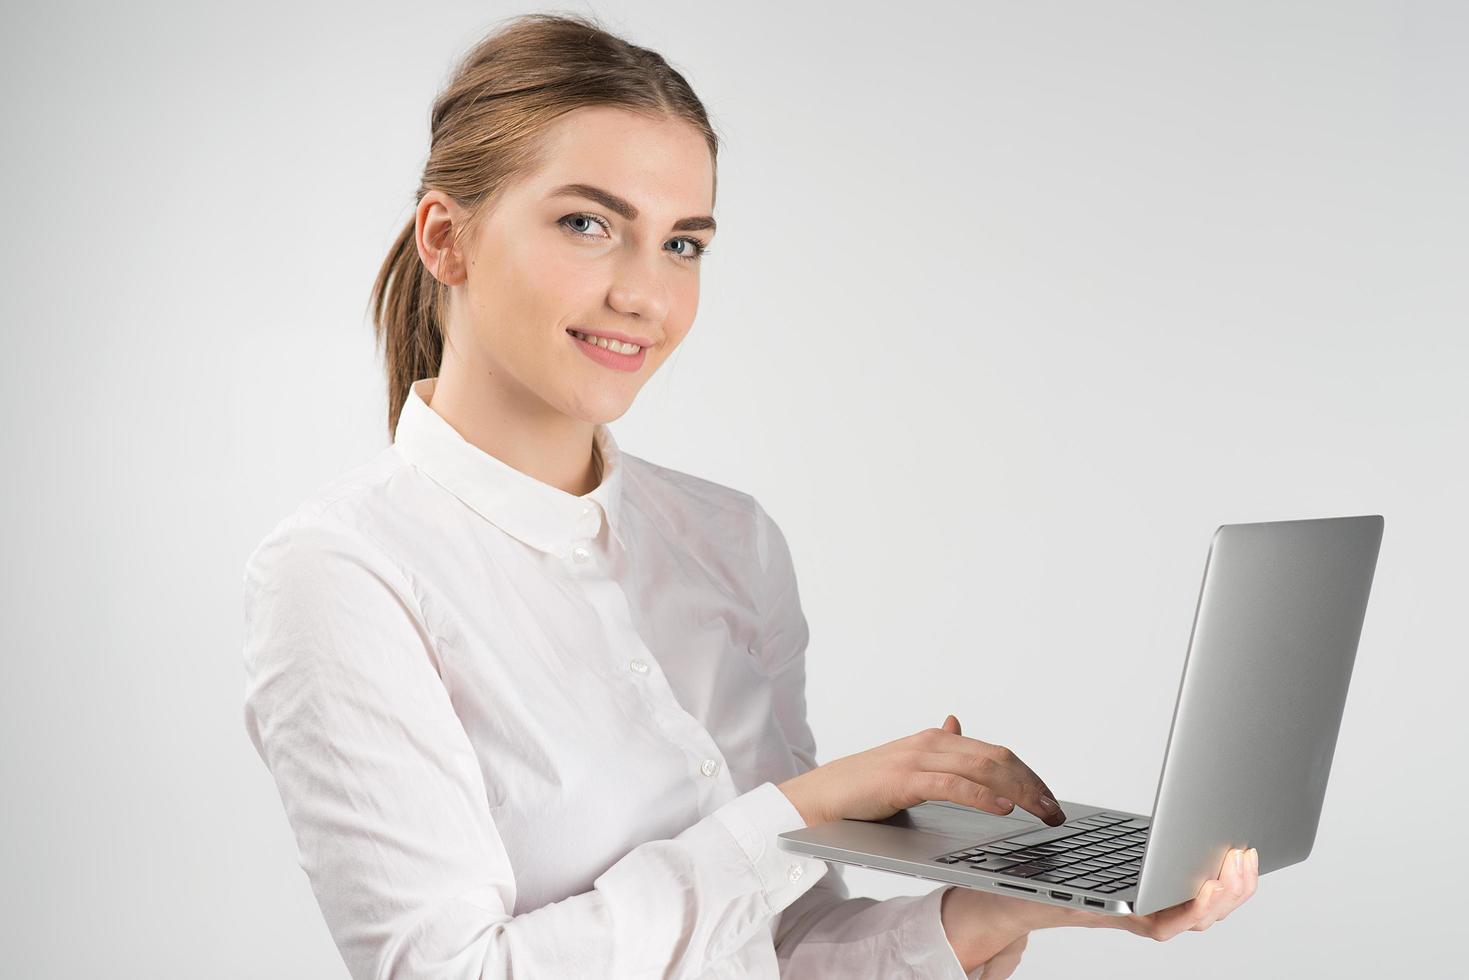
[406, 321]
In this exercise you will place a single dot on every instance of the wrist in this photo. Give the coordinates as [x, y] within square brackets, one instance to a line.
[794, 790]
[979, 925]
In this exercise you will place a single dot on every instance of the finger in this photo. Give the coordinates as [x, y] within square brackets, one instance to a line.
[1233, 861]
[1216, 903]
[1245, 886]
[1169, 922]
[952, 729]
[952, 786]
[1233, 872]
[993, 775]
[1001, 771]
[1233, 891]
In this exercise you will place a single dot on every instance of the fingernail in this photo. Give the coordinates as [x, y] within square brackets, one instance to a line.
[1048, 803]
[1239, 861]
[1004, 803]
[1255, 859]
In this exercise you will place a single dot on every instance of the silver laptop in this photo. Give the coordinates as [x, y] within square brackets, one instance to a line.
[1254, 729]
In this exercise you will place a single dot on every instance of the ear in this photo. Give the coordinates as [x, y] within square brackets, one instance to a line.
[436, 221]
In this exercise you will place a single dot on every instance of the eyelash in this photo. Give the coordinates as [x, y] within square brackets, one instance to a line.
[703, 249]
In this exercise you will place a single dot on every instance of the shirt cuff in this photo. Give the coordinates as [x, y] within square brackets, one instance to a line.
[926, 945]
[754, 820]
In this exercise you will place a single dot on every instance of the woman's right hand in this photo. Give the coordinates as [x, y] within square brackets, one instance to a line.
[934, 764]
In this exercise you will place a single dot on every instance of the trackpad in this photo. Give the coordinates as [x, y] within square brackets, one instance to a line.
[972, 825]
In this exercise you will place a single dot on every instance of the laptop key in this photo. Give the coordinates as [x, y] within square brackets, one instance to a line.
[1085, 882]
[998, 864]
[1021, 870]
[1045, 836]
[1073, 872]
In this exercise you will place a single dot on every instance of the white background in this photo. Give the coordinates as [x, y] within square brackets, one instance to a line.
[1012, 304]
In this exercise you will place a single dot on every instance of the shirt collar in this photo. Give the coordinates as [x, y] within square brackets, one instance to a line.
[543, 516]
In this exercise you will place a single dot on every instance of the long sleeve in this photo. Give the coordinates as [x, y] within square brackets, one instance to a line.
[825, 933]
[346, 704]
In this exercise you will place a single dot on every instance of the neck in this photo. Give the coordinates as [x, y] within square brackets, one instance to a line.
[517, 428]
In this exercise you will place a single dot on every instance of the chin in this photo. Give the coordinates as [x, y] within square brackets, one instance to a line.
[600, 411]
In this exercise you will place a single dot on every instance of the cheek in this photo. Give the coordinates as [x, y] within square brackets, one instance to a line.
[681, 311]
[556, 275]
[534, 282]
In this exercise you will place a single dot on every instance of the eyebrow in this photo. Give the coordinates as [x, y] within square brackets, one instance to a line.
[624, 208]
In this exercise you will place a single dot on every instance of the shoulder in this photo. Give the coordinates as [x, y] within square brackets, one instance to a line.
[695, 505]
[344, 515]
[686, 487]
[688, 503]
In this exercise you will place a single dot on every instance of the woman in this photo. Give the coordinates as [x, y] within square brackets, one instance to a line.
[537, 705]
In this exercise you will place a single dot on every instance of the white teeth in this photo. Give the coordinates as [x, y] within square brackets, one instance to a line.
[612, 345]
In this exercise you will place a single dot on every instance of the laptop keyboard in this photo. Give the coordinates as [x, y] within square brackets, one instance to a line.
[1101, 853]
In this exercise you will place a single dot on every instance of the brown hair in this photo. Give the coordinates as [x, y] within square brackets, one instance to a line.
[486, 128]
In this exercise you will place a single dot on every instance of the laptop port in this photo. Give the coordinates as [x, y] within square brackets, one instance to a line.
[1019, 888]
[1063, 896]
[1096, 903]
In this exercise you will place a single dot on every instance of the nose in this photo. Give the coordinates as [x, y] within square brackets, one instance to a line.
[638, 289]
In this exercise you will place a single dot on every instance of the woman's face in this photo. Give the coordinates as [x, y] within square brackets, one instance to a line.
[604, 241]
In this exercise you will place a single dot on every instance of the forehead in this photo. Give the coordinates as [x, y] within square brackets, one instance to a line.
[660, 164]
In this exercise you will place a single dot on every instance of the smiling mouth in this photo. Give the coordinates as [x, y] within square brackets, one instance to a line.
[616, 346]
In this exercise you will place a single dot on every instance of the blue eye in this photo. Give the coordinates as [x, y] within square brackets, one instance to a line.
[703, 249]
[581, 215]
[586, 217]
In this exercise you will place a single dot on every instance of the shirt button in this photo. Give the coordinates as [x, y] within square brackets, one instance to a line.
[581, 553]
[639, 666]
[710, 767]
[796, 872]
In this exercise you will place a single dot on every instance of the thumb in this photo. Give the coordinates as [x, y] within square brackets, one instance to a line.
[951, 725]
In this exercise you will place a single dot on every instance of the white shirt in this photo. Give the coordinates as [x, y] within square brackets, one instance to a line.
[521, 732]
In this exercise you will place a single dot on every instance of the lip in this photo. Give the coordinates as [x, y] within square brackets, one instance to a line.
[613, 335]
[610, 358]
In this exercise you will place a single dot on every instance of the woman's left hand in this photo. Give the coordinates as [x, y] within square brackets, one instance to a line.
[992, 929]
[1238, 878]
